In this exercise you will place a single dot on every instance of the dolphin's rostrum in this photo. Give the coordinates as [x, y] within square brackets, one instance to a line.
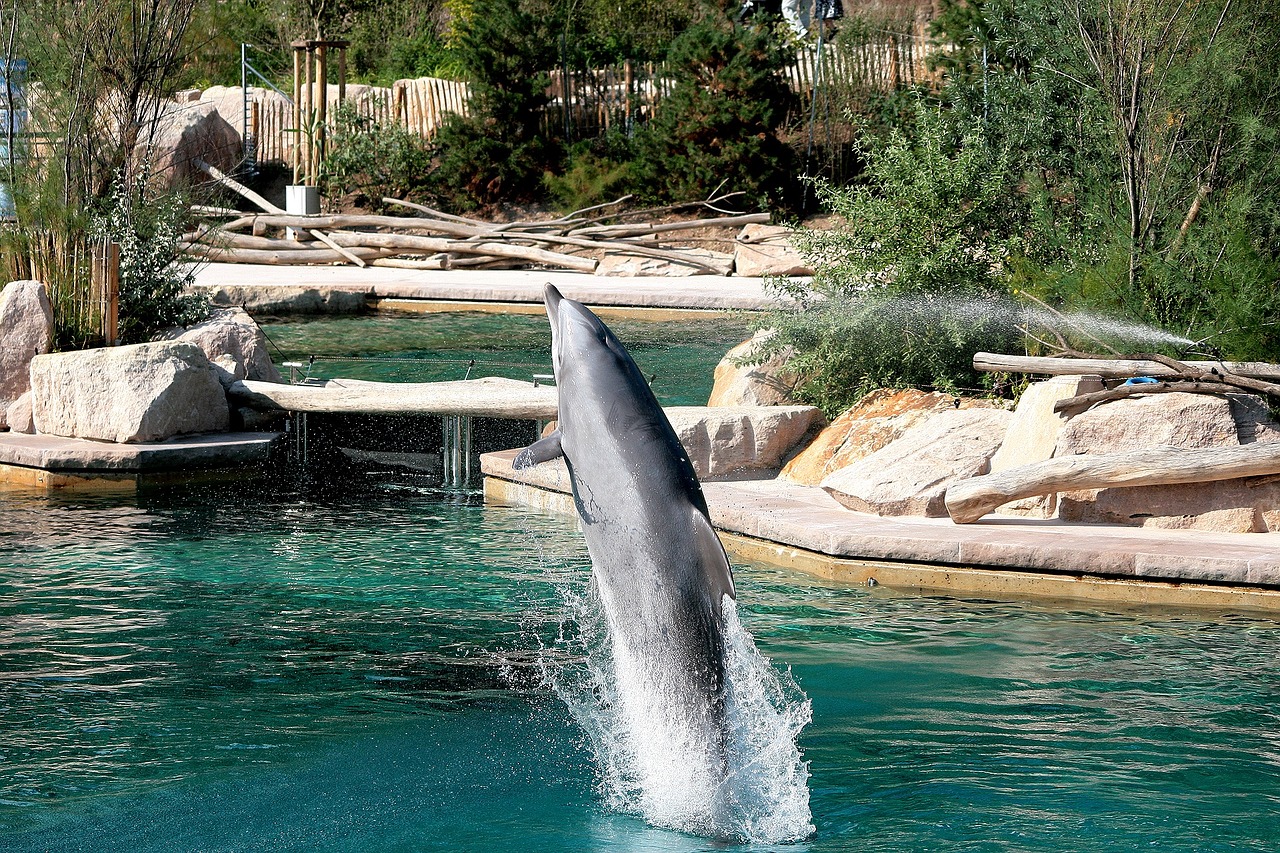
[660, 569]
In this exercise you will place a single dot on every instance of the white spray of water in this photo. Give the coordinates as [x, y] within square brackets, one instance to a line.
[660, 759]
[1078, 326]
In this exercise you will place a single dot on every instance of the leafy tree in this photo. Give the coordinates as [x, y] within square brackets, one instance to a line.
[718, 126]
[499, 152]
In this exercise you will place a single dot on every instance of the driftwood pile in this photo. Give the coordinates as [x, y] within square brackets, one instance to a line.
[432, 239]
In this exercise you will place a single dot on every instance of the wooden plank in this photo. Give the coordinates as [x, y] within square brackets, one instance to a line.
[1112, 368]
[491, 397]
[969, 500]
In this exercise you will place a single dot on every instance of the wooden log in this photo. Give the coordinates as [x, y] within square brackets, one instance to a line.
[492, 397]
[637, 229]
[1125, 391]
[278, 257]
[221, 239]
[349, 255]
[673, 255]
[1113, 368]
[357, 220]
[437, 244]
[969, 500]
[233, 184]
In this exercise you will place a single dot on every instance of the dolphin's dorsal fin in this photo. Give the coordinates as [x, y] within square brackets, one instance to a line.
[542, 450]
[713, 559]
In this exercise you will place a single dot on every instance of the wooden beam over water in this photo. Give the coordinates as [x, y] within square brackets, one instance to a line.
[490, 397]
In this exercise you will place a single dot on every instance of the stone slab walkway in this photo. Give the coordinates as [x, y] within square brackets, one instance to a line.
[804, 524]
[704, 292]
[76, 455]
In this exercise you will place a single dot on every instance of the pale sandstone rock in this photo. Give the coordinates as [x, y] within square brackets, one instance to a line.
[761, 384]
[26, 330]
[289, 299]
[870, 424]
[1176, 420]
[761, 250]
[186, 133]
[1033, 434]
[145, 392]
[735, 442]
[232, 333]
[19, 415]
[910, 476]
[1249, 505]
[634, 265]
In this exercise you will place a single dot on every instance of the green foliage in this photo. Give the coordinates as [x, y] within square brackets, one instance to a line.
[718, 127]
[595, 171]
[154, 282]
[372, 160]
[917, 277]
[498, 152]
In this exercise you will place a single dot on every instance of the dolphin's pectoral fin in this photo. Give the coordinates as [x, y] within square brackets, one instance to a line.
[542, 450]
[712, 558]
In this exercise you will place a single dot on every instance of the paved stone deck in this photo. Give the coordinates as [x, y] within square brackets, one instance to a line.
[803, 526]
[703, 292]
[51, 462]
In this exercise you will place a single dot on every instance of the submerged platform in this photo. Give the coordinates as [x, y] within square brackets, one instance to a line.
[51, 463]
[803, 527]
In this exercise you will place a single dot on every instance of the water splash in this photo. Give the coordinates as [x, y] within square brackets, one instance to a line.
[656, 758]
[1013, 316]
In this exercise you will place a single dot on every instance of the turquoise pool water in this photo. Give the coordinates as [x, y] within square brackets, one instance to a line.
[260, 669]
[433, 347]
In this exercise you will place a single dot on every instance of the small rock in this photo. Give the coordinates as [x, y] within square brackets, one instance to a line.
[910, 476]
[761, 384]
[761, 250]
[18, 415]
[746, 441]
[144, 392]
[870, 424]
[26, 330]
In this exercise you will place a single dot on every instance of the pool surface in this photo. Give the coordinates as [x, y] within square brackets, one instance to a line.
[260, 668]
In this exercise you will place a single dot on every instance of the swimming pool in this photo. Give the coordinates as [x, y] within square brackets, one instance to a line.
[265, 668]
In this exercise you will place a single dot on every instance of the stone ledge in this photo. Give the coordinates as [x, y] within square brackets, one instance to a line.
[71, 455]
[776, 513]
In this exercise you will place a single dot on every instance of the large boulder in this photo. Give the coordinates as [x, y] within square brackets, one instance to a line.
[727, 443]
[1175, 420]
[19, 415]
[26, 330]
[1247, 505]
[870, 424]
[1033, 434]
[231, 338]
[910, 476]
[761, 383]
[761, 250]
[185, 133]
[145, 392]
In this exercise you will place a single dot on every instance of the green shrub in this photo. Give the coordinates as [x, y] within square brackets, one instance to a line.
[718, 126]
[595, 171]
[498, 152]
[154, 282]
[372, 160]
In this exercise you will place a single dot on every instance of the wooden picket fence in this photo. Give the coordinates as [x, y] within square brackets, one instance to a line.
[588, 102]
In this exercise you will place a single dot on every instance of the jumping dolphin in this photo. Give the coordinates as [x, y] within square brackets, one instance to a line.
[661, 572]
